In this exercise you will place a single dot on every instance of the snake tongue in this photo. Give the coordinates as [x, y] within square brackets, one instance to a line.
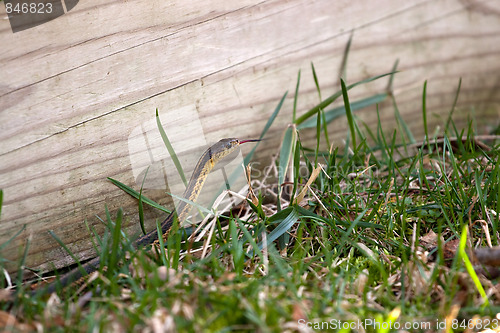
[251, 140]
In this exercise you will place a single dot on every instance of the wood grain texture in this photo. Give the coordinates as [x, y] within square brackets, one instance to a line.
[74, 89]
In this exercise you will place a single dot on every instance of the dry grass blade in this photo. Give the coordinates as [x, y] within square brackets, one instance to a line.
[306, 187]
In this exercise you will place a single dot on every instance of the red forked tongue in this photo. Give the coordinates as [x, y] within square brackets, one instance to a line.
[252, 140]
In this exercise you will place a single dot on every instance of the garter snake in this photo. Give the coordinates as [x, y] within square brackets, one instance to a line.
[205, 165]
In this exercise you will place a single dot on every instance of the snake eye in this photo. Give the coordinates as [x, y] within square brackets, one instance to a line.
[231, 143]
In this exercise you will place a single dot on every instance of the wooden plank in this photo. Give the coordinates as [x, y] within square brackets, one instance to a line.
[74, 89]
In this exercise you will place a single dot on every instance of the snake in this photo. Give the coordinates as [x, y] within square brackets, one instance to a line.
[208, 160]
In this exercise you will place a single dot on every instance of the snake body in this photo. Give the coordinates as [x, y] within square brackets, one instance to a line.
[205, 165]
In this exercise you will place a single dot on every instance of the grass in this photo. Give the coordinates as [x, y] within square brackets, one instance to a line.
[356, 236]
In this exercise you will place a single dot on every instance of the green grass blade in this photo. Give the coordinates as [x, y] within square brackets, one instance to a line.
[402, 123]
[20, 271]
[3, 245]
[93, 235]
[348, 111]
[325, 129]
[343, 64]
[75, 259]
[115, 245]
[161, 242]
[136, 195]
[141, 208]
[316, 82]
[448, 121]
[470, 268]
[320, 117]
[318, 137]
[296, 166]
[251, 240]
[424, 116]
[286, 219]
[236, 249]
[170, 149]
[391, 78]
[286, 153]
[296, 97]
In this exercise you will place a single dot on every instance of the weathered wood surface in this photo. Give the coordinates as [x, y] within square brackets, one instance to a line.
[74, 89]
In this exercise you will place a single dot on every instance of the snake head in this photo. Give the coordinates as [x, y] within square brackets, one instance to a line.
[225, 151]
[227, 144]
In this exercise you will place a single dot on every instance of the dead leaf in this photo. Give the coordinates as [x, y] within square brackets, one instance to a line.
[450, 249]
[9, 323]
